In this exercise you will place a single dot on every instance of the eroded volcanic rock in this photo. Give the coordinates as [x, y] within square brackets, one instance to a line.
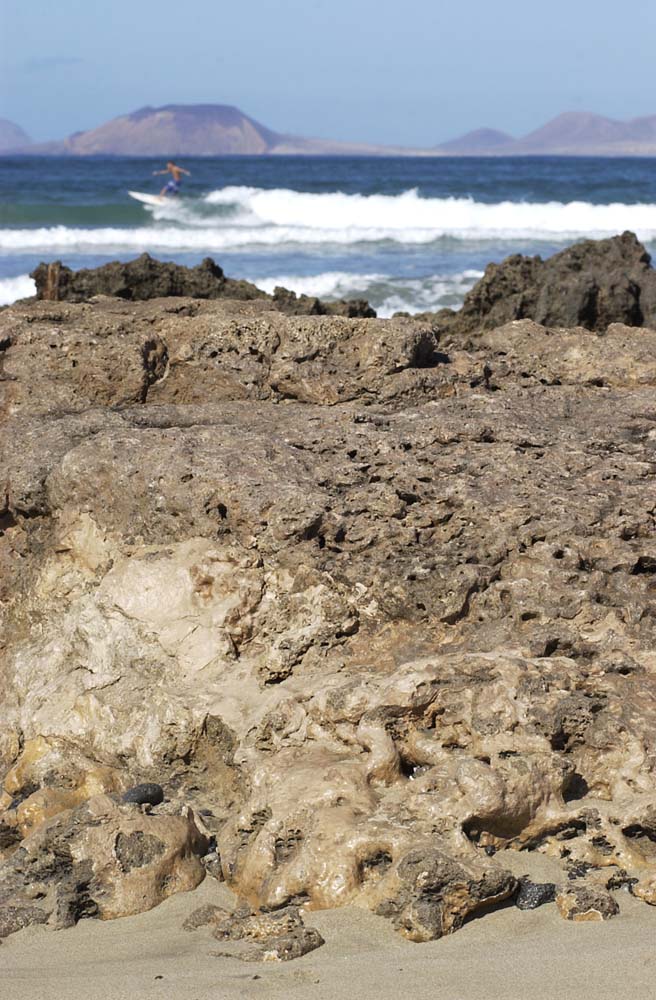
[136, 280]
[147, 278]
[372, 608]
[279, 935]
[99, 859]
[591, 284]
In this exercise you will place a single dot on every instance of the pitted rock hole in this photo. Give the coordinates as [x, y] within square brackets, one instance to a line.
[136, 850]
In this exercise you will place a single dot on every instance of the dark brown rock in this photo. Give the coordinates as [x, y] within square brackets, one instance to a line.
[146, 278]
[306, 305]
[437, 893]
[143, 278]
[591, 284]
[134, 850]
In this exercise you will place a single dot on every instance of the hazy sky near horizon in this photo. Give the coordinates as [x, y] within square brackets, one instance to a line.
[414, 72]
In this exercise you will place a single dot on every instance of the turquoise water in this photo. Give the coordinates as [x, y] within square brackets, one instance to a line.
[407, 233]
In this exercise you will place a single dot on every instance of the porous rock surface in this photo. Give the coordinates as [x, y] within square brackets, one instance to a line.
[583, 904]
[99, 859]
[278, 936]
[372, 608]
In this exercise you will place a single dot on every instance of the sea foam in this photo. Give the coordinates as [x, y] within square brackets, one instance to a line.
[411, 213]
[11, 289]
[236, 218]
[387, 294]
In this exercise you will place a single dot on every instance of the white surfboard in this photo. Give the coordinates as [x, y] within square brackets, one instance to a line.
[148, 199]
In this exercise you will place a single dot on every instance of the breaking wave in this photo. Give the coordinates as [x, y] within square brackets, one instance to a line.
[411, 217]
[386, 294]
[236, 218]
[11, 289]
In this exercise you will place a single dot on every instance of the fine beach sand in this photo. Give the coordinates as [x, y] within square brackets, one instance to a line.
[508, 955]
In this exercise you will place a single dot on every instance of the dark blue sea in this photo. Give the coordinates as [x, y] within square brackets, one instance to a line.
[406, 233]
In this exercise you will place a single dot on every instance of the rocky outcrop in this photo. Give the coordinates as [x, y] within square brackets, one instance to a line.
[97, 860]
[373, 608]
[146, 278]
[278, 936]
[136, 280]
[309, 305]
[590, 284]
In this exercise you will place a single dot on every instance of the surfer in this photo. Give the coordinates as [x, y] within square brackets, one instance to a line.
[176, 172]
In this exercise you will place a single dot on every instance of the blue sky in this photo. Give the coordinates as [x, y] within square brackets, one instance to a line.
[414, 72]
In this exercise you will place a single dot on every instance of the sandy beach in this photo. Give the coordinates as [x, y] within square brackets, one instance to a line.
[508, 955]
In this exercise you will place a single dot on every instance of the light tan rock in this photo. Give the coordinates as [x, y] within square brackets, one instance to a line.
[99, 859]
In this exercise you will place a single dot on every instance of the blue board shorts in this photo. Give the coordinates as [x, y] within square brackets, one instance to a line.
[172, 187]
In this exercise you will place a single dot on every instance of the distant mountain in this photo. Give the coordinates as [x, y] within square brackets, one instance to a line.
[574, 130]
[173, 130]
[574, 133]
[196, 130]
[12, 137]
[220, 130]
[477, 142]
[642, 129]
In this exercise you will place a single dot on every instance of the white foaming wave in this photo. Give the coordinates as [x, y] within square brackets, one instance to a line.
[327, 285]
[20, 287]
[233, 194]
[252, 217]
[191, 212]
[409, 213]
[115, 240]
[215, 240]
[386, 294]
[426, 294]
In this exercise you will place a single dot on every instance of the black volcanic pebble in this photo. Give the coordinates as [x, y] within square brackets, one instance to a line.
[146, 794]
[530, 895]
[621, 880]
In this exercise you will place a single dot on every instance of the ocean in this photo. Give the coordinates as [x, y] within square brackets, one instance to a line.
[406, 233]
